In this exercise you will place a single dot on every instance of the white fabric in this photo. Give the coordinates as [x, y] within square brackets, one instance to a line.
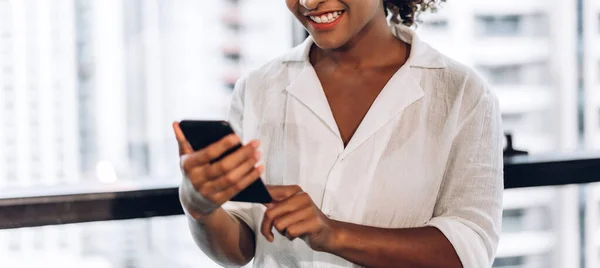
[428, 153]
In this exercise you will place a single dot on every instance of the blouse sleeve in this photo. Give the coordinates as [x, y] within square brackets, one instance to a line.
[468, 210]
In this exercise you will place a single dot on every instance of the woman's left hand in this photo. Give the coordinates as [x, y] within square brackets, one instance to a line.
[294, 214]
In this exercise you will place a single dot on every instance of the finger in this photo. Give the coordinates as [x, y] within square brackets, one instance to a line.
[282, 223]
[226, 195]
[301, 228]
[212, 151]
[238, 173]
[277, 211]
[184, 145]
[233, 160]
[279, 193]
[197, 176]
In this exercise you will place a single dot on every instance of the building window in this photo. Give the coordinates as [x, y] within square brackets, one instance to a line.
[33, 106]
[9, 106]
[10, 141]
[38, 242]
[512, 121]
[517, 261]
[35, 159]
[7, 70]
[535, 73]
[34, 119]
[60, 157]
[9, 122]
[512, 25]
[14, 241]
[63, 241]
[11, 159]
[11, 176]
[60, 174]
[6, 50]
[598, 71]
[36, 175]
[506, 25]
[436, 24]
[60, 141]
[502, 75]
[8, 90]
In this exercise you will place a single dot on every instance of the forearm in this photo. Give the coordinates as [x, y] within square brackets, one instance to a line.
[224, 238]
[378, 247]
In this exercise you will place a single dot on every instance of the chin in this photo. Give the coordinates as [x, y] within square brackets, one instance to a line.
[328, 43]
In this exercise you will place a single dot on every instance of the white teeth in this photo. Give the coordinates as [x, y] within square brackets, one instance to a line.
[326, 18]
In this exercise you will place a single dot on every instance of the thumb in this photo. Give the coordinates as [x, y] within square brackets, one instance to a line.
[184, 145]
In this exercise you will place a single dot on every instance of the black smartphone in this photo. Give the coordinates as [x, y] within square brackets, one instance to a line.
[201, 134]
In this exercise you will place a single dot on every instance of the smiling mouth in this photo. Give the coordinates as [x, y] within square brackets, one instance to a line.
[326, 18]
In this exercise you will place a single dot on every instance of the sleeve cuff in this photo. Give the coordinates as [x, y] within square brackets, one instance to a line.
[467, 243]
[242, 210]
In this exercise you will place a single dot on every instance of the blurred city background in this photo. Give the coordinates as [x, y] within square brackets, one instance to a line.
[88, 89]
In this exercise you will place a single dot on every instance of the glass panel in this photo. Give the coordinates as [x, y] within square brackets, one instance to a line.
[148, 243]
[524, 56]
[89, 88]
[591, 82]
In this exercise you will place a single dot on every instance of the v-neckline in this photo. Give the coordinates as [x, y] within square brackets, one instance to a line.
[336, 120]
[390, 101]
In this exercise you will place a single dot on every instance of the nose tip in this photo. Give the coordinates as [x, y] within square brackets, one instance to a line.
[311, 4]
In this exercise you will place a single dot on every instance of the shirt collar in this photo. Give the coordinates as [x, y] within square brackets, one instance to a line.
[421, 56]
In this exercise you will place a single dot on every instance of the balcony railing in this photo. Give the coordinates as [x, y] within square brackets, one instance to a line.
[145, 200]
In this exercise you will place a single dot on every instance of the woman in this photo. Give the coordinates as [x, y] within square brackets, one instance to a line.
[380, 152]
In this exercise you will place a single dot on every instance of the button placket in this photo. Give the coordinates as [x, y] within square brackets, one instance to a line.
[332, 183]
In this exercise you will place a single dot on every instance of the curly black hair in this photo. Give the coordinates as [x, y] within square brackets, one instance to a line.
[407, 11]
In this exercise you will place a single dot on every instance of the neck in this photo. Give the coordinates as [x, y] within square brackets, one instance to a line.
[369, 48]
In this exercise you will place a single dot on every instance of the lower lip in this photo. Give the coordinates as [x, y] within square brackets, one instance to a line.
[326, 26]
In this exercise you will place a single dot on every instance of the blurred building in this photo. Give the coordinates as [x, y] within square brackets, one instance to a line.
[147, 63]
[88, 89]
[591, 70]
[591, 86]
[38, 117]
[526, 52]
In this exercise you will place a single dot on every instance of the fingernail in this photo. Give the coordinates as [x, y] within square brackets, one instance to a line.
[255, 143]
[257, 155]
[260, 168]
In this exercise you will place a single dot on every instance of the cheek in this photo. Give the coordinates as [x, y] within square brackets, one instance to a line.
[368, 10]
[292, 5]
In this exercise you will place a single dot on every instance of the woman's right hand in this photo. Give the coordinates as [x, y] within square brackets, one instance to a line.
[207, 186]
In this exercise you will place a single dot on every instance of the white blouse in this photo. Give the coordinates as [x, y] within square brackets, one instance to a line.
[428, 153]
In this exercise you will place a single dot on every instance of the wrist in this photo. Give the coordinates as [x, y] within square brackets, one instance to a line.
[337, 238]
[193, 203]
